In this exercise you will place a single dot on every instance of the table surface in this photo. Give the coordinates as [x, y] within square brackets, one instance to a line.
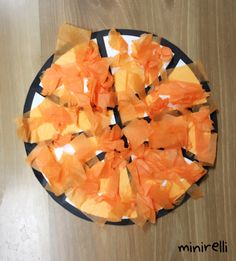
[32, 225]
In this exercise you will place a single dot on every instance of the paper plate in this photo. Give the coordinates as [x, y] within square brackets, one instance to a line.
[34, 98]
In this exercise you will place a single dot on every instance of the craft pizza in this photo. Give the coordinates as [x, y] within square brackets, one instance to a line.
[162, 114]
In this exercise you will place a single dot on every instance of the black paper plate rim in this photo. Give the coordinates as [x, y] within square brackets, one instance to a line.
[35, 88]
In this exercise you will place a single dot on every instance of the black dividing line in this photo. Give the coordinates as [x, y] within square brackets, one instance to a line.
[117, 117]
[174, 61]
[29, 147]
[147, 89]
[125, 141]
[101, 156]
[187, 155]
[205, 86]
[101, 44]
[215, 122]
[147, 119]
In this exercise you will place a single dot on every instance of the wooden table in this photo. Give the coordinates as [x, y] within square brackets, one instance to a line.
[32, 225]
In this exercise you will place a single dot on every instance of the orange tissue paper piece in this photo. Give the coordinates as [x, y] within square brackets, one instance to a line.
[202, 141]
[150, 55]
[182, 93]
[116, 41]
[137, 132]
[169, 132]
